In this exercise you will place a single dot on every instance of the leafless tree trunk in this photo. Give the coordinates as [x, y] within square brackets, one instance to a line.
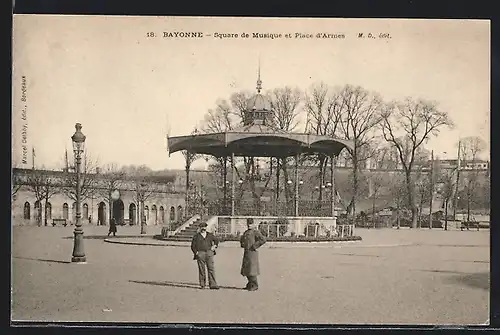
[407, 125]
[110, 180]
[360, 113]
[471, 147]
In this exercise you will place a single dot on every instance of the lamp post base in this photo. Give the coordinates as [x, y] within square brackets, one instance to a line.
[78, 259]
[78, 251]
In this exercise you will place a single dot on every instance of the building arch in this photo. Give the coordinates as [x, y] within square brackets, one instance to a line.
[154, 214]
[101, 214]
[118, 211]
[65, 211]
[132, 213]
[172, 214]
[38, 211]
[179, 213]
[27, 211]
[146, 213]
[85, 211]
[48, 211]
[162, 215]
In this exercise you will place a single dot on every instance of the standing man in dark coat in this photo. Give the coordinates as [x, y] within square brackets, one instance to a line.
[112, 227]
[250, 241]
[203, 247]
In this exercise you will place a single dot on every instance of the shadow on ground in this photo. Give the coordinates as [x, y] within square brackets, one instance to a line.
[43, 260]
[180, 284]
[103, 237]
[478, 280]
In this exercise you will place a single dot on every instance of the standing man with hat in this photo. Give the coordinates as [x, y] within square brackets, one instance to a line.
[203, 247]
[250, 241]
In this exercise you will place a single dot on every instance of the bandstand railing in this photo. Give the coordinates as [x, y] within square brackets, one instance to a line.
[272, 229]
[271, 208]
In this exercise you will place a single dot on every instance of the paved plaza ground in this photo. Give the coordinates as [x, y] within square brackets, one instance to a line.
[391, 277]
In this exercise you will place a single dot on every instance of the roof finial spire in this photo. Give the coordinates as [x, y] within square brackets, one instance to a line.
[259, 82]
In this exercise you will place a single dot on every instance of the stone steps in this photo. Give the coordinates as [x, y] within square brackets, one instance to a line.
[186, 235]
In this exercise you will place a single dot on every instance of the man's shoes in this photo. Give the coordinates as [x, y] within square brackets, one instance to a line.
[247, 286]
[253, 288]
[214, 288]
[202, 287]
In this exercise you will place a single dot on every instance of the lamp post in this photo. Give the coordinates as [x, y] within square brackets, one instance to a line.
[78, 140]
[141, 204]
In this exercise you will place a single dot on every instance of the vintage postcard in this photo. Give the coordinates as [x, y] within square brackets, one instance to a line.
[250, 170]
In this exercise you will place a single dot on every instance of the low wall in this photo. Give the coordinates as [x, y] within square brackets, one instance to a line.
[283, 226]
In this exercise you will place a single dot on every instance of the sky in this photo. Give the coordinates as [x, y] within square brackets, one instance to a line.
[128, 90]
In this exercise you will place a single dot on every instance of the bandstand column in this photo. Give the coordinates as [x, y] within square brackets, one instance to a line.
[332, 181]
[224, 183]
[233, 177]
[296, 207]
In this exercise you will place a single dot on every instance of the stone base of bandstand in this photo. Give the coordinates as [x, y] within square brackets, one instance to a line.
[285, 225]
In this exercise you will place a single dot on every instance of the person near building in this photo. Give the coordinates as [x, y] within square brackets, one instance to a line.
[203, 246]
[112, 227]
[250, 241]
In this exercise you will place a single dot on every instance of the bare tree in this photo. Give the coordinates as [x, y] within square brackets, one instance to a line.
[377, 181]
[446, 180]
[322, 106]
[359, 114]
[470, 149]
[143, 191]
[110, 180]
[398, 193]
[407, 126]
[189, 159]
[36, 181]
[88, 180]
[15, 186]
[285, 104]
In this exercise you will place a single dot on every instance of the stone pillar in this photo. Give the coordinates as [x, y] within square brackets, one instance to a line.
[296, 200]
[333, 190]
[233, 178]
[224, 184]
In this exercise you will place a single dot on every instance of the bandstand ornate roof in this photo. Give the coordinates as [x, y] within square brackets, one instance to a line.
[257, 138]
[258, 141]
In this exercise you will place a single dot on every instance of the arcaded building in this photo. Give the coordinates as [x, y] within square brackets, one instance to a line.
[164, 199]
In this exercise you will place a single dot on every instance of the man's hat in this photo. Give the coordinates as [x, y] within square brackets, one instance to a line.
[203, 225]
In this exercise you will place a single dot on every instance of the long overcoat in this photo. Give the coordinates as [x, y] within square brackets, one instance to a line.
[112, 226]
[250, 241]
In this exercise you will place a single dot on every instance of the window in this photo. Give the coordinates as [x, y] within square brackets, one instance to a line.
[27, 211]
[85, 213]
[172, 214]
[65, 211]
[162, 215]
[179, 213]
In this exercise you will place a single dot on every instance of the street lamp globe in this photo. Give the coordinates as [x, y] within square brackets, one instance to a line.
[289, 182]
[78, 140]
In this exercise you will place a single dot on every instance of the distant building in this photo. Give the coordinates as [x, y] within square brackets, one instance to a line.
[165, 205]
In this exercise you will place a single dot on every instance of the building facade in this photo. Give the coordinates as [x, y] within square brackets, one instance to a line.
[164, 204]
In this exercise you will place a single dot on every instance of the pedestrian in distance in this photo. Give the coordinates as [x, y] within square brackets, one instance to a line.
[203, 247]
[112, 227]
[250, 241]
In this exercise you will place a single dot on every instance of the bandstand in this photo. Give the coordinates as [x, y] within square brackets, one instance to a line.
[257, 138]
